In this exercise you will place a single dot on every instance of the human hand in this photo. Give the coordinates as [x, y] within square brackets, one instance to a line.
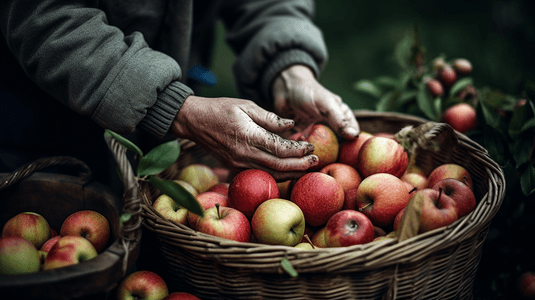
[299, 96]
[244, 135]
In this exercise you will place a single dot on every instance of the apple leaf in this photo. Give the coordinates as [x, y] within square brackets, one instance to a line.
[123, 141]
[460, 85]
[486, 115]
[177, 193]
[520, 117]
[521, 151]
[426, 102]
[159, 158]
[527, 181]
[368, 87]
[287, 266]
[530, 124]
[125, 217]
[387, 82]
[410, 222]
[497, 145]
[386, 102]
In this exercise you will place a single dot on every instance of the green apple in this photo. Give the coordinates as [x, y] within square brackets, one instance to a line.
[200, 176]
[142, 285]
[188, 187]
[18, 256]
[278, 222]
[69, 250]
[170, 209]
[29, 225]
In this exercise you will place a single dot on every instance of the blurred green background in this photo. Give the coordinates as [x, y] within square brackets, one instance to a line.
[496, 36]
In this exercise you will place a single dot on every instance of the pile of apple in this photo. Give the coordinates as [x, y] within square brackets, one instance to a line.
[148, 285]
[29, 245]
[357, 194]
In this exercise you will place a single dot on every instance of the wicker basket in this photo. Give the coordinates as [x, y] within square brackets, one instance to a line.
[440, 264]
[55, 196]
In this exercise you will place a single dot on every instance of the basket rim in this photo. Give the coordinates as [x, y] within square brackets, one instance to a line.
[367, 256]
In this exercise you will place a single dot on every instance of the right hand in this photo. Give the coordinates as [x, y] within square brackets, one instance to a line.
[244, 135]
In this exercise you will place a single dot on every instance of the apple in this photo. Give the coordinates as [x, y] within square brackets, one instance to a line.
[89, 224]
[449, 171]
[188, 187]
[206, 200]
[318, 239]
[53, 233]
[49, 243]
[462, 66]
[285, 188]
[181, 296]
[417, 180]
[346, 175]
[225, 222]
[319, 196]
[461, 117]
[378, 231]
[278, 222]
[434, 86]
[223, 174]
[221, 188]
[347, 228]
[29, 225]
[309, 232]
[18, 256]
[382, 155]
[447, 75]
[397, 219]
[349, 149]
[438, 210]
[142, 285]
[326, 145]
[200, 176]
[250, 188]
[69, 250]
[464, 197]
[380, 197]
[385, 135]
[526, 284]
[304, 246]
[350, 199]
[170, 209]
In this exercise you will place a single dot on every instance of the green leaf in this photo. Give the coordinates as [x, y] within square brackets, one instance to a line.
[520, 117]
[403, 51]
[159, 158]
[487, 116]
[404, 80]
[493, 98]
[460, 85]
[528, 125]
[287, 266]
[123, 141]
[368, 87]
[125, 217]
[426, 103]
[386, 102]
[521, 151]
[177, 193]
[386, 81]
[496, 144]
[407, 96]
[527, 181]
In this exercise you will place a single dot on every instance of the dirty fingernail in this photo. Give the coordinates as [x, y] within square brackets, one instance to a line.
[352, 131]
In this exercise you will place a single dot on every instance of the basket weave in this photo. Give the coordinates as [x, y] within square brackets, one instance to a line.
[440, 264]
[55, 196]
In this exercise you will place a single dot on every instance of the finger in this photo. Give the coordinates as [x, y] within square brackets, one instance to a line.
[336, 115]
[264, 160]
[347, 133]
[278, 146]
[267, 119]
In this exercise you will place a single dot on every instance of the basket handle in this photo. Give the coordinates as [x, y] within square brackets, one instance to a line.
[28, 169]
[131, 228]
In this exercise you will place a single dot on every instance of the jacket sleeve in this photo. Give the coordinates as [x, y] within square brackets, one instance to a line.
[267, 37]
[70, 51]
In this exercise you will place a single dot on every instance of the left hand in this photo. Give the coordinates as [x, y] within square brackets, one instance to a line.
[298, 95]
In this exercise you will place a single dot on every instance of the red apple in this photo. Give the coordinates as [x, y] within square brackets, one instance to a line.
[225, 222]
[387, 135]
[319, 196]
[18, 256]
[285, 188]
[462, 117]
[278, 222]
[250, 188]
[526, 284]
[378, 231]
[397, 219]
[170, 209]
[309, 232]
[434, 86]
[447, 75]
[49, 243]
[349, 149]
[382, 155]
[438, 210]
[417, 180]
[449, 171]
[380, 197]
[224, 174]
[326, 145]
[206, 200]
[142, 285]
[350, 199]
[347, 228]
[464, 197]
[29, 225]
[89, 224]
[69, 250]
[318, 239]
[462, 66]
[181, 296]
[200, 176]
[346, 175]
[221, 188]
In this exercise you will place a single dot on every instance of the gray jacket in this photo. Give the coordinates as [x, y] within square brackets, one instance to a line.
[123, 63]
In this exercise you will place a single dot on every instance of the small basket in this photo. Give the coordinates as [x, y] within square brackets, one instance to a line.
[55, 196]
[440, 264]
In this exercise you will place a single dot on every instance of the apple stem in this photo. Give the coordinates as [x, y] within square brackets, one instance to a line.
[217, 209]
[309, 241]
[362, 208]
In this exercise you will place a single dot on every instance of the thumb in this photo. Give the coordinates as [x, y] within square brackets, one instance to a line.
[269, 120]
